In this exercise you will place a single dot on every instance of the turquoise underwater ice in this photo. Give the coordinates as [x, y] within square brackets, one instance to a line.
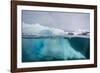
[55, 49]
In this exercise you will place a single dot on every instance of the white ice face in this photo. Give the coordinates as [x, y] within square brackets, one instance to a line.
[37, 29]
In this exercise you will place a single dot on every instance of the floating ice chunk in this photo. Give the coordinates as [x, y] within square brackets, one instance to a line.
[37, 29]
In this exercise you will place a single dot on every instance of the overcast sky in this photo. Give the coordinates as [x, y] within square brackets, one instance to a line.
[66, 21]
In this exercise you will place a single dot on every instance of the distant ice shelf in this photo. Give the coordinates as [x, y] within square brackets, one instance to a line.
[70, 36]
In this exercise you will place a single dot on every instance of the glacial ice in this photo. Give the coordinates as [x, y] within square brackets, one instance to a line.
[36, 29]
[52, 49]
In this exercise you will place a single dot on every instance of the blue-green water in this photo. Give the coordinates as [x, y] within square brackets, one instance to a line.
[55, 49]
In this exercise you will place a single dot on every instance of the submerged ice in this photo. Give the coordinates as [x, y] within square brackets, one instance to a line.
[47, 49]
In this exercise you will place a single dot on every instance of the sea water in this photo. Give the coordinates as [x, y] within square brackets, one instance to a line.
[55, 48]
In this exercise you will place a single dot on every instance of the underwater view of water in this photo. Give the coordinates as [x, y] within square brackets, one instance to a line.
[55, 49]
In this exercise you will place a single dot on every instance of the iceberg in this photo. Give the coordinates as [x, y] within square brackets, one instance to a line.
[52, 48]
[37, 29]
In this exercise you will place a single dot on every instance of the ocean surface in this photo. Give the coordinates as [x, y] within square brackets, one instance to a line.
[37, 49]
